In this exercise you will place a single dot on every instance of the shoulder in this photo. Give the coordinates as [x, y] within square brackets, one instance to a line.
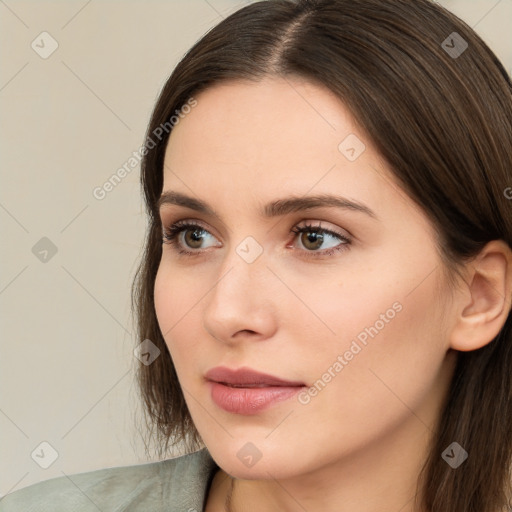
[174, 484]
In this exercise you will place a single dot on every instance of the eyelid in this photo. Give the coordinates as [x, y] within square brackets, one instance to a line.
[325, 225]
[180, 226]
[168, 220]
[190, 220]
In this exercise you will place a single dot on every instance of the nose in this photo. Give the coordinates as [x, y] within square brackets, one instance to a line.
[240, 304]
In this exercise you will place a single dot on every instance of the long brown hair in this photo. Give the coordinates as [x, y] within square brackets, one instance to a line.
[441, 119]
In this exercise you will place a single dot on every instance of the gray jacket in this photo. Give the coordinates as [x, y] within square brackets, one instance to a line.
[179, 484]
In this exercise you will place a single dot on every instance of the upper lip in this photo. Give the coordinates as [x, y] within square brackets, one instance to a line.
[246, 376]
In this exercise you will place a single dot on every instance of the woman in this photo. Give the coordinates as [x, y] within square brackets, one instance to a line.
[328, 270]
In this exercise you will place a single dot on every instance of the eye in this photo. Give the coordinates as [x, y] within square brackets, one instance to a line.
[184, 234]
[313, 237]
[194, 236]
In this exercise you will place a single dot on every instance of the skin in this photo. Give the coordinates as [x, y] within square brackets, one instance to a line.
[360, 443]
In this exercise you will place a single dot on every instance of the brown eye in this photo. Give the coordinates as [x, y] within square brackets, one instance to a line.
[312, 240]
[182, 235]
[193, 238]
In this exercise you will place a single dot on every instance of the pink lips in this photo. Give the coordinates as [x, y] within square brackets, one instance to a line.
[246, 391]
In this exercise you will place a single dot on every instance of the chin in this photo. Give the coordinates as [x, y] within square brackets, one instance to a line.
[245, 461]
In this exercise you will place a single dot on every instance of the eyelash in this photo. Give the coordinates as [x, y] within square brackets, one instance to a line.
[172, 232]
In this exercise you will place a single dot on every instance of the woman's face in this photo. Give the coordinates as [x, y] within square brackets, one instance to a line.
[357, 314]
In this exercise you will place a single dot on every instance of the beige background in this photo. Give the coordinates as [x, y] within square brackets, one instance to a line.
[68, 123]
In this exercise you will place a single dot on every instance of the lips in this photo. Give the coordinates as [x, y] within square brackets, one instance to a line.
[246, 391]
[247, 378]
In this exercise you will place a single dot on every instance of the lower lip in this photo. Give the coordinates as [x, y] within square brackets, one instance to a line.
[250, 400]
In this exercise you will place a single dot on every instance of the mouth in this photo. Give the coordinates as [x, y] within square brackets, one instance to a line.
[246, 391]
[247, 378]
[246, 385]
[248, 400]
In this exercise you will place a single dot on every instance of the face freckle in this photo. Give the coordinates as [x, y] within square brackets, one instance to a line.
[358, 327]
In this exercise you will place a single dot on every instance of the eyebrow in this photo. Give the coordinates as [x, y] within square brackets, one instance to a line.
[274, 208]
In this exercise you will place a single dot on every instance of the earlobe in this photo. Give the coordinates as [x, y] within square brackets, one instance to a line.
[486, 302]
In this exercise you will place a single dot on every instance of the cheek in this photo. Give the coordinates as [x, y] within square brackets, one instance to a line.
[386, 303]
[165, 301]
[392, 346]
[175, 296]
[384, 316]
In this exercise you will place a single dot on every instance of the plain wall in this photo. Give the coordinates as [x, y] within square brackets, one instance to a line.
[69, 121]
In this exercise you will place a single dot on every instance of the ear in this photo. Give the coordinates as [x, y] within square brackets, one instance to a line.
[486, 300]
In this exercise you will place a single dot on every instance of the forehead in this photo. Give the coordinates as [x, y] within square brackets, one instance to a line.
[251, 112]
[268, 126]
[247, 142]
